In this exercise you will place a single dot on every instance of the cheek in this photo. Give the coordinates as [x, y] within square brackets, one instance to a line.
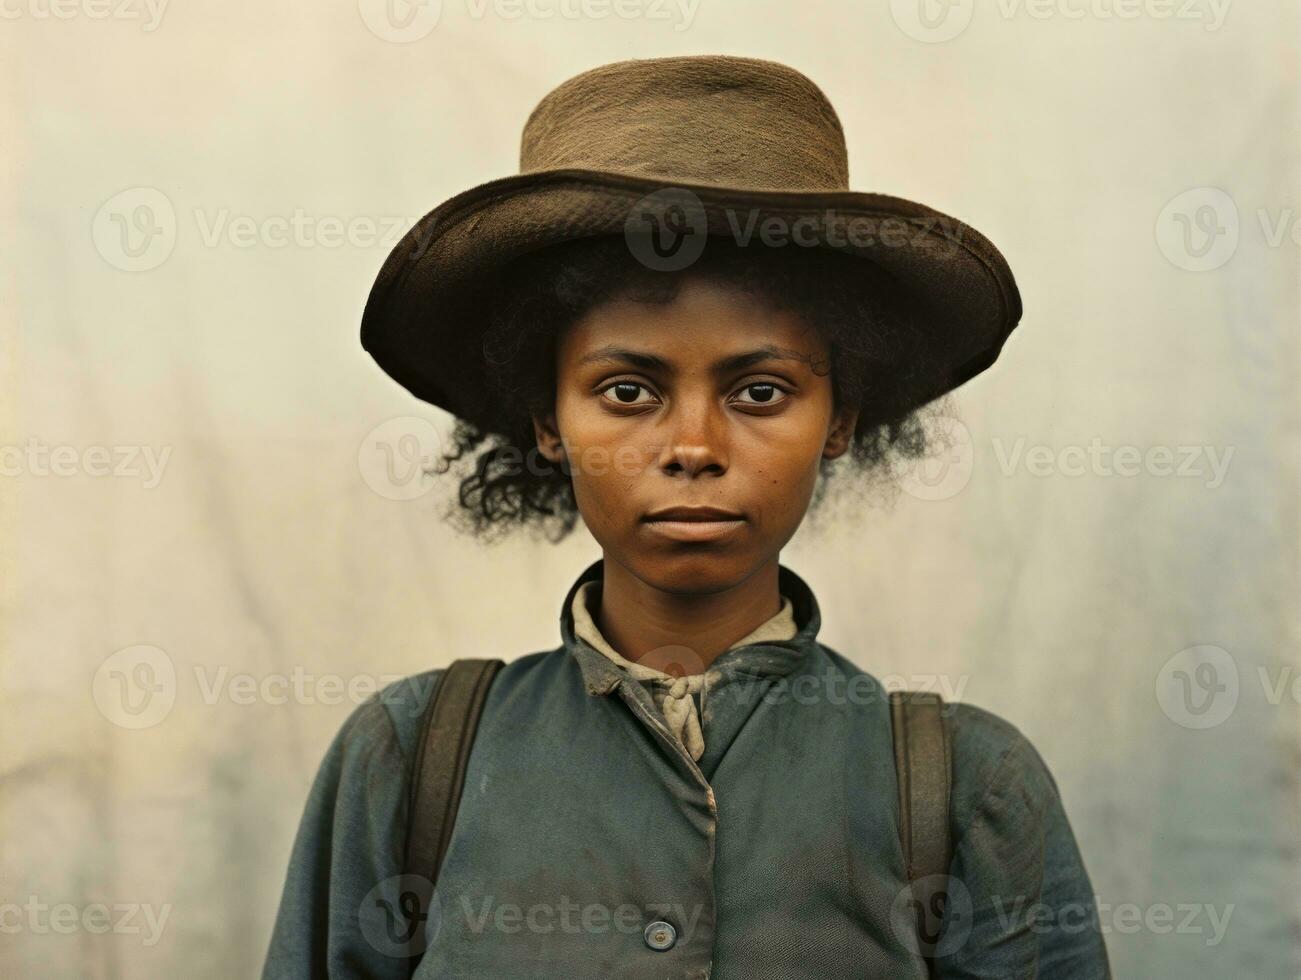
[605, 459]
[785, 461]
[786, 479]
[793, 444]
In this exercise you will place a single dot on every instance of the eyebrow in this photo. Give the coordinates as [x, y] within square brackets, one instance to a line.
[733, 362]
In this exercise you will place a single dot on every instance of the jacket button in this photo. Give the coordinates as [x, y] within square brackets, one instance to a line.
[660, 935]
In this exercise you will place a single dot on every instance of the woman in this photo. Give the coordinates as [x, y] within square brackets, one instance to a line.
[691, 784]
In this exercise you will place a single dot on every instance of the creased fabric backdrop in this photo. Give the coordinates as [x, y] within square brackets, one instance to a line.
[215, 543]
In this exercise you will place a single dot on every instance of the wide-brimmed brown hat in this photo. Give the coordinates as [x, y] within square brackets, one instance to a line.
[667, 152]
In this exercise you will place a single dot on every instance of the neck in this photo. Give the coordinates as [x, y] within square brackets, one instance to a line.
[651, 626]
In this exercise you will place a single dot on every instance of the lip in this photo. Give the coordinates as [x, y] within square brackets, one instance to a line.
[694, 523]
[701, 514]
[695, 530]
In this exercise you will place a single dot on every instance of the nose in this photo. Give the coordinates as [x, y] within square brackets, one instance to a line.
[696, 439]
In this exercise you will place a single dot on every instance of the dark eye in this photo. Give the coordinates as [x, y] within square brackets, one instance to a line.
[764, 393]
[625, 392]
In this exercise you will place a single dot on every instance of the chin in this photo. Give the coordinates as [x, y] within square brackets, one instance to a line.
[694, 569]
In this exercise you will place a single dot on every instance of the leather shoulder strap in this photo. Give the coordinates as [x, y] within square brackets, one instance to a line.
[923, 763]
[438, 774]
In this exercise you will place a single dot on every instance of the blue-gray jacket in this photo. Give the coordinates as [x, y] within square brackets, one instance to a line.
[588, 844]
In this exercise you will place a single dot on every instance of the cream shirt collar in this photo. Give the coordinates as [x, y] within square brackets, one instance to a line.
[672, 694]
[780, 627]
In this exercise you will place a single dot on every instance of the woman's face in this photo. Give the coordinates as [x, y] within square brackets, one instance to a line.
[714, 400]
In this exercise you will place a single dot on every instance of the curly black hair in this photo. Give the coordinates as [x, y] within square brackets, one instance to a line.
[511, 486]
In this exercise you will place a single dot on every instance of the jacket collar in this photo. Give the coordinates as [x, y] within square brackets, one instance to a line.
[776, 657]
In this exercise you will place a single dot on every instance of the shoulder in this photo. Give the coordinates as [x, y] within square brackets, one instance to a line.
[377, 737]
[398, 709]
[1014, 850]
[996, 769]
[986, 748]
[396, 712]
[994, 763]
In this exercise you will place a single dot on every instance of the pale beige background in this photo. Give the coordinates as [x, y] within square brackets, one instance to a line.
[270, 545]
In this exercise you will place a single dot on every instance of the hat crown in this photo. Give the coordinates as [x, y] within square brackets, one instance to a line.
[712, 120]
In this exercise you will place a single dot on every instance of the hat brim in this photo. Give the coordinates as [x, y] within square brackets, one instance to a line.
[424, 317]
